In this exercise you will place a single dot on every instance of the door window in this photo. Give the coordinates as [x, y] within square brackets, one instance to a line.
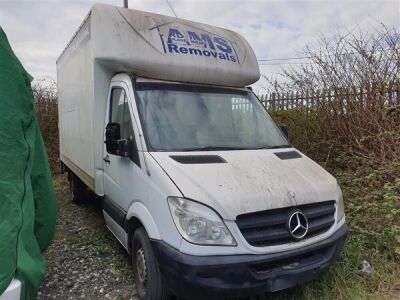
[120, 113]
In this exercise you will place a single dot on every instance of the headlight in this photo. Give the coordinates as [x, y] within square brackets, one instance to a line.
[340, 205]
[199, 224]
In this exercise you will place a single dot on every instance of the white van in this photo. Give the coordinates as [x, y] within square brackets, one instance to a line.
[197, 182]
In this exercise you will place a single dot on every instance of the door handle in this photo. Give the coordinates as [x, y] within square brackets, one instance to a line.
[107, 159]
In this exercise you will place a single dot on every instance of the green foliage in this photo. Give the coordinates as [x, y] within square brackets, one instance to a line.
[46, 105]
[304, 132]
[393, 111]
[341, 141]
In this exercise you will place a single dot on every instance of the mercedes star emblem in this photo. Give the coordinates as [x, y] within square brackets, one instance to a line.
[298, 225]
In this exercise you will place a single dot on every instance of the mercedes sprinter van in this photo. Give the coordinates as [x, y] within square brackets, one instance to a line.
[197, 182]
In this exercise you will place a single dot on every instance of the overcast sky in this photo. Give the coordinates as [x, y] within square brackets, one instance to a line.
[38, 30]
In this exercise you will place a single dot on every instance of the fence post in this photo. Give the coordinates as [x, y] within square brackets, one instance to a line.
[312, 100]
[287, 100]
[273, 101]
[278, 101]
[345, 102]
[306, 100]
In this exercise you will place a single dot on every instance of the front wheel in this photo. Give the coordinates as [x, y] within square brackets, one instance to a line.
[148, 280]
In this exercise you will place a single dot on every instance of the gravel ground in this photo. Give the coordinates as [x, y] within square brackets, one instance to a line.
[85, 261]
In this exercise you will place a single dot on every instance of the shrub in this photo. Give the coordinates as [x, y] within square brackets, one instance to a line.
[46, 104]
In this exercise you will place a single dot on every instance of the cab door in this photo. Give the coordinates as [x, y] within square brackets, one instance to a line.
[122, 174]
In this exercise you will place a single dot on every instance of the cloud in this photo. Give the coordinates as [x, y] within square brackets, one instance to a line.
[39, 30]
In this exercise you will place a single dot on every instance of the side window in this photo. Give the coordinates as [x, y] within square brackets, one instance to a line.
[120, 113]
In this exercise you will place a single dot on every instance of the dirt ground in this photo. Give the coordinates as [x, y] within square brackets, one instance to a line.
[85, 261]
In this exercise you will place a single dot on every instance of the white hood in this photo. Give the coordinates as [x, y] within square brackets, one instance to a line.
[249, 180]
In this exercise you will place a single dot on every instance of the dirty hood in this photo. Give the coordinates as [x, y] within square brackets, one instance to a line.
[250, 180]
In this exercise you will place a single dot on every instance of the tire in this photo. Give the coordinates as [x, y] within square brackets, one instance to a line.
[148, 280]
[77, 188]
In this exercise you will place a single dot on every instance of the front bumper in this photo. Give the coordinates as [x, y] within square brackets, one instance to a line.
[205, 277]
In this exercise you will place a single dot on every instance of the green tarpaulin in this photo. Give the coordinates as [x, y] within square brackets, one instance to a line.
[27, 200]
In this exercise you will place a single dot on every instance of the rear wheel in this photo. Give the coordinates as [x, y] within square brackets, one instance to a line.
[148, 280]
[77, 188]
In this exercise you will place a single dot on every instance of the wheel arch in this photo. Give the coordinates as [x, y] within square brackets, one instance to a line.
[139, 216]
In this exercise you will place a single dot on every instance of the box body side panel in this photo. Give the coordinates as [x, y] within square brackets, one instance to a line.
[75, 81]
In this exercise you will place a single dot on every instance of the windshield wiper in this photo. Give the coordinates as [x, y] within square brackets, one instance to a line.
[213, 148]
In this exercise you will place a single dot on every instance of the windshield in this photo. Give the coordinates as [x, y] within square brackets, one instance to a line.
[189, 118]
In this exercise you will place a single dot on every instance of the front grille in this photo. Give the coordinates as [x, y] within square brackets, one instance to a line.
[269, 227]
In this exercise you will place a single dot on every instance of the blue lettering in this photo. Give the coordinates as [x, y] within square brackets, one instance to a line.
[208, 41]
[205, 40]
[176, 37]
[195, 39]
[195, 51]
[183, 50]
[172, 48]
[177, 42]
[222, 45]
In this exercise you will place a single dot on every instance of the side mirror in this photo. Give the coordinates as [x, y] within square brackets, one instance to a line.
[285, 130]
[121, 147]
[113, 135]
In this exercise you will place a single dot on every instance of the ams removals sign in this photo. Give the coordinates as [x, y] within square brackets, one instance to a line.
[182, 40]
